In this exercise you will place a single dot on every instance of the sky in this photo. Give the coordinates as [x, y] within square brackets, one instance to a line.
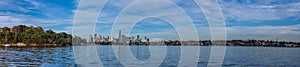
[245, 19]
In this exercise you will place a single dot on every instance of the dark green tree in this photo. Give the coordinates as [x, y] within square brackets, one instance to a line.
[33, 35]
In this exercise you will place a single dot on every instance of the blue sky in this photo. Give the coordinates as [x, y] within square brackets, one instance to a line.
[245, 19]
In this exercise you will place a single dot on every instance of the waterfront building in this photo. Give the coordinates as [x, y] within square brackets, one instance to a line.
[87, 40]
[289, 45]
[105, 39]
[108, 39]
[100, 38]
[120, 37]
[95, 38]
[145, 41]
[91, 39]
[132, 39]
[138, 40]
[125, 39]
[115, 40]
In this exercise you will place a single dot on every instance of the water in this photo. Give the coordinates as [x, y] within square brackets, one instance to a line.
[35, 56]
[235, 56]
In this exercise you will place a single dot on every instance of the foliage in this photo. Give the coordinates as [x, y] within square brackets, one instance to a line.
[33, 35]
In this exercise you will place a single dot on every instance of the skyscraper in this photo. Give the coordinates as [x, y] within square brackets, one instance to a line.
[120, 37]
[138, 40]
[91, 39]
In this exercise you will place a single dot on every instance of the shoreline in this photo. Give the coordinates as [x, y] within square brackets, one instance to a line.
[56, 45]
[31, 45]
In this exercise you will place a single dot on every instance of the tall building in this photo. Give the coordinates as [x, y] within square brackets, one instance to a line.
[120, 37]
[108, 38]
[95, 38]
[125, 39]
[132, 38]
[138, 40]
[100, 38]
[91, 39]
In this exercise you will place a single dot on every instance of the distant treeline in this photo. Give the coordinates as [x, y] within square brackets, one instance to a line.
[264, 43]
[33, 35]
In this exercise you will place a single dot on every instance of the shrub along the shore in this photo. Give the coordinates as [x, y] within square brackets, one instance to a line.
[30, 35]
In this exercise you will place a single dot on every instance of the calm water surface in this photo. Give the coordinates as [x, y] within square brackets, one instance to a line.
[235, 56]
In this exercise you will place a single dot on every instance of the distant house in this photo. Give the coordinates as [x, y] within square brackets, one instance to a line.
[290, 45]
[0, 29]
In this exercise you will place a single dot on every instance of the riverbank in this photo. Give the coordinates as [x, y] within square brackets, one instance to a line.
[31, 45]
[60, 45]
[214, 45]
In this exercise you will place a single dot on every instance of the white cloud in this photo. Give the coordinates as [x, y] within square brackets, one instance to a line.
[287, 33]
[257, 12]
[14, 5]
[33, 13]
[9, 19]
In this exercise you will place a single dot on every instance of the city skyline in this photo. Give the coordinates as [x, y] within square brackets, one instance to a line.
[251, 19]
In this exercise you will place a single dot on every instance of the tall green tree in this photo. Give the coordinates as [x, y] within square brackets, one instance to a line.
[34, 35]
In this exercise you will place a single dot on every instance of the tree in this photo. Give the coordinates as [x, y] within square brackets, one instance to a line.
[33, 35]
[38, 29]
[7, 35]
[50, 36]
[5, 29]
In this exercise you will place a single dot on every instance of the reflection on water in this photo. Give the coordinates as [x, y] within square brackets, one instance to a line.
[235, 56]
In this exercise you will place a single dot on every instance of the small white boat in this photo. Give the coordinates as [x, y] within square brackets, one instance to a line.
[6, 45]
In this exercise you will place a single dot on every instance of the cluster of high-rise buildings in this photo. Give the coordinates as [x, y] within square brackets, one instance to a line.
[138, 40]
[120, 40]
